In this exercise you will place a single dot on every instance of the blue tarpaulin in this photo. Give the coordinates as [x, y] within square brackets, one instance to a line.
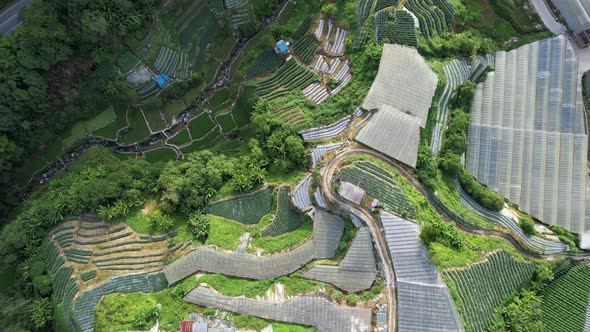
[282, 46]
[162, 80]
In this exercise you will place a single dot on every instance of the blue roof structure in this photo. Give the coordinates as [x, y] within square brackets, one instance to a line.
[282, 46]
[162, 80]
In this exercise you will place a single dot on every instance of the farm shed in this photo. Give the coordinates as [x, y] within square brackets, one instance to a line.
[162, 80]
[393, 133]
[315, 311]
[404, 81]
[282, 47]
[577, 17]
[351, 192]
[527, 139]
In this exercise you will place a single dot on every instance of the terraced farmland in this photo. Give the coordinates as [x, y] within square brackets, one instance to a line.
[483, 286]
[381, 4]
[305, 48]
[266, 62]
[201, 125]
[286, 219]
[302, 29]
[400, 30]
[238, 9]
[565, 301]
[92, 244]
[247, 209]
[434, 16]
[128, 61]
[380, 184]
[288, 111]
[290, 77]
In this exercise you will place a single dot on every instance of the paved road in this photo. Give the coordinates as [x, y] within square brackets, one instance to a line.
[557, 28]
[373, 224]
[9, 18]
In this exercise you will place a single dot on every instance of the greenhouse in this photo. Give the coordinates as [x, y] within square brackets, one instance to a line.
[527, 138]
[394, 133]
[404, 81]
[424, 301]
[306, 310]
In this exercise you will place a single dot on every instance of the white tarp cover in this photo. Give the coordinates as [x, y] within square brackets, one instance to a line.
[393, 133]
[404, 81]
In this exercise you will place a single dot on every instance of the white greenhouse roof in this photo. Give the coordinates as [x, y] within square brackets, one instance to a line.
[576, 14]
[527, 138]
[394, 133]
[404, 81]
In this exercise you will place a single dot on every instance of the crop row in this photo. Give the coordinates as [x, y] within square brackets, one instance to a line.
[99, 241]
[247, 209]
[362, 11]
[112, 231]
[87, 275]
[59, 281]
[565, 300]
[292, 76]
[287, 217]
[69, 294]
[483, 286]
[217, 7]
[376, 170]
[112, 259]
[432, 19]
[302, 29]
[116, 251]
[128, 61]
[381, 4]
[52, 258]
[130, 263]
[62, 228]
[400, 31]
[93, 226]
[381, 188]
[266, 62]
[305, 47]
[124, 243]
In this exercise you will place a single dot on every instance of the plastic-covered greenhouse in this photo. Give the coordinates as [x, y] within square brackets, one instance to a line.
[424, 302]
[528, 139]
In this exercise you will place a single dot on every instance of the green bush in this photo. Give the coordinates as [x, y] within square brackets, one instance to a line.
[480, 193]
[199, 226]
[527, 225]
[159, 221]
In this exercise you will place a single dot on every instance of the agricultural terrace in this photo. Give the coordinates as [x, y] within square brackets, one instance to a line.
[92, 244]
[483, 286]
[327, 232]
[435, 16]
[287, 217]
[315, 311]
[565, 301]
[247, 209]
[379, 184]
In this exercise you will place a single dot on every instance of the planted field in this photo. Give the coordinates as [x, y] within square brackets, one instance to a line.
[400, 30]
[107, 70]
[242, 108]
[203, 143]
[305, 25]
[218, 7]
[128, 61]
[182, 137]
[247, 209]
[290, 77]
[120, 121]
[163, 154]
[200, 125]
[381, 4]
[220, 99]
[483, 286]
[154, 118]
[305, 48]
[565, 300]
[137, 128]
[380, 186]
[266, 62]
[226, 122]
[239, 12]
[434, 16]
[148, 91]
[287, 218]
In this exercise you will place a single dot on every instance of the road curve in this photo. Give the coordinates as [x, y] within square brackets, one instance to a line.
[9, 19]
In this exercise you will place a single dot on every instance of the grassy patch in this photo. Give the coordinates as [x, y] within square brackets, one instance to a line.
[224, 233]
[200, 125]
[164, 154]
[120, 121]
[116, 311]
[137, 130]
[202, 143]
[226, 122]
[154, 118]
[182, 137]
[279, 243]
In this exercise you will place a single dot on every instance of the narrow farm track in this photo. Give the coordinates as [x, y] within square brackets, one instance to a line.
[221, 81]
